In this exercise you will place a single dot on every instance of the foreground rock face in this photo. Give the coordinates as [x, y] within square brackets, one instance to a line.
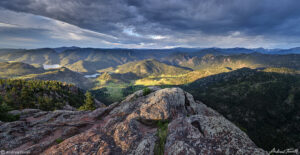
[129, 127]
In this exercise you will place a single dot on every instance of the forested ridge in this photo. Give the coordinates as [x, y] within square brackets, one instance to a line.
[38, 94]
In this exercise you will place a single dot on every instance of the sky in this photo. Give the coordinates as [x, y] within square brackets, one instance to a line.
[149, 23]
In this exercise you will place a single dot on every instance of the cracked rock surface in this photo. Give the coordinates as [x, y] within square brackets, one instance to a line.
[128, 127]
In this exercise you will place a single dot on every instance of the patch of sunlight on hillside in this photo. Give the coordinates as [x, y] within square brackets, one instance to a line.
[182, 78]
[282, 70]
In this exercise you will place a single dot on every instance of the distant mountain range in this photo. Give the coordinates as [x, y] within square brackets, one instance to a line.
[236, 50]
[137, 66]
[89, 60]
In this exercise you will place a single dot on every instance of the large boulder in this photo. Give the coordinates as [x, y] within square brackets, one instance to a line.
[130, 127]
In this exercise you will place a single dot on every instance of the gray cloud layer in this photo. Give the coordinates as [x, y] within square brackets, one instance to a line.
[176, 22]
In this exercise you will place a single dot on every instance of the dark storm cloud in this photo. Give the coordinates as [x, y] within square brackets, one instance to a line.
[131, 20]
[221, 17]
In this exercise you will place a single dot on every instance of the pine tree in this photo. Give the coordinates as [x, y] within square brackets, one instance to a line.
[89, 102]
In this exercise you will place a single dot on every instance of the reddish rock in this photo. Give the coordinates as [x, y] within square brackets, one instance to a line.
[129, 127]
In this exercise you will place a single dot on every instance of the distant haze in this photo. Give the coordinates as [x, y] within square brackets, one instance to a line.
[51, 66]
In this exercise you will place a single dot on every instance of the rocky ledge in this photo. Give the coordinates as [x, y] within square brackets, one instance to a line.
[166, 121]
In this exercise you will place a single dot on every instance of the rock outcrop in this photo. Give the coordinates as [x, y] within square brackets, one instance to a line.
[129, 127]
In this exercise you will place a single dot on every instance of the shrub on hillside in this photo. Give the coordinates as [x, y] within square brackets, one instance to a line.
[146, 91]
